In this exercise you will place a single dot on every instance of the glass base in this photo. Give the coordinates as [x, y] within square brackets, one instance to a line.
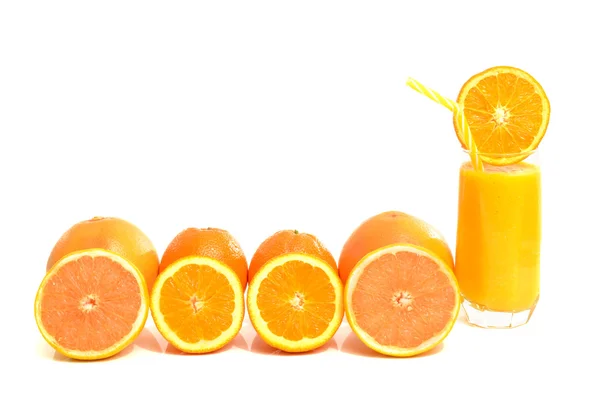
[480, 316]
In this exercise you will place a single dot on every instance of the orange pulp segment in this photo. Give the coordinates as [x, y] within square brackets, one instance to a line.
[401, 300]
[197, 304]
[507, 111]
[91, 304]
[295, 302]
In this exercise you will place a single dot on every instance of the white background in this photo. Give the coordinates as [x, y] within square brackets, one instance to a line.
[256, 116]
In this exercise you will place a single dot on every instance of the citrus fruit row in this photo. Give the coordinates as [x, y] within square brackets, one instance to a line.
[394, 283]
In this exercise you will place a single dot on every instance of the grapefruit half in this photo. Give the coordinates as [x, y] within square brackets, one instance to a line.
[401, 300]
[91, 304]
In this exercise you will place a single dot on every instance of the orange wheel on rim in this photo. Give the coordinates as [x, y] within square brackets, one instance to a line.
[507, 111]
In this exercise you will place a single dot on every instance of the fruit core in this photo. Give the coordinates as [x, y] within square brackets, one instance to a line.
[88, 303]
[197, 304]
[501, 115]
[297, 301]
[403, 299]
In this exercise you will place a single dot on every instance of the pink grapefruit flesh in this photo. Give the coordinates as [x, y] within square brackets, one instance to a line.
[402, 300]
[91, 305]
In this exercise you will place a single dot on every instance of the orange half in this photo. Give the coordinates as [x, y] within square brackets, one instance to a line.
[91, 304]
[507, 111]
[197, 304]
[295, 302]
[401, 300]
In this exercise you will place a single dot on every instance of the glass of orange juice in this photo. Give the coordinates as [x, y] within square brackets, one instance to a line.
[498, 240]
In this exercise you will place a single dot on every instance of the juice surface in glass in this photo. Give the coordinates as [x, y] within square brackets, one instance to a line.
[498, 237]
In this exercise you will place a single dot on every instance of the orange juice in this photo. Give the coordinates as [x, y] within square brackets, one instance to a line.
[498, 237]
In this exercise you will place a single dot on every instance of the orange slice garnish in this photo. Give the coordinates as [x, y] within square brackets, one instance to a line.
[507, 111]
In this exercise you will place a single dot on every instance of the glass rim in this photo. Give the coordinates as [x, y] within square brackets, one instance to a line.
[525, 153]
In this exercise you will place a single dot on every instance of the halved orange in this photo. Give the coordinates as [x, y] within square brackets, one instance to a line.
[507, 111]
[211, 242]
[401, 300]
[91, 304]
[295, 302]
[197, 304]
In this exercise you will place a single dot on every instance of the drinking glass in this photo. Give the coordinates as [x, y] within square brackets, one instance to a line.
[498, 239]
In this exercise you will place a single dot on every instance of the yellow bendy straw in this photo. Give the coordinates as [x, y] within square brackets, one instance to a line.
[449, 104]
